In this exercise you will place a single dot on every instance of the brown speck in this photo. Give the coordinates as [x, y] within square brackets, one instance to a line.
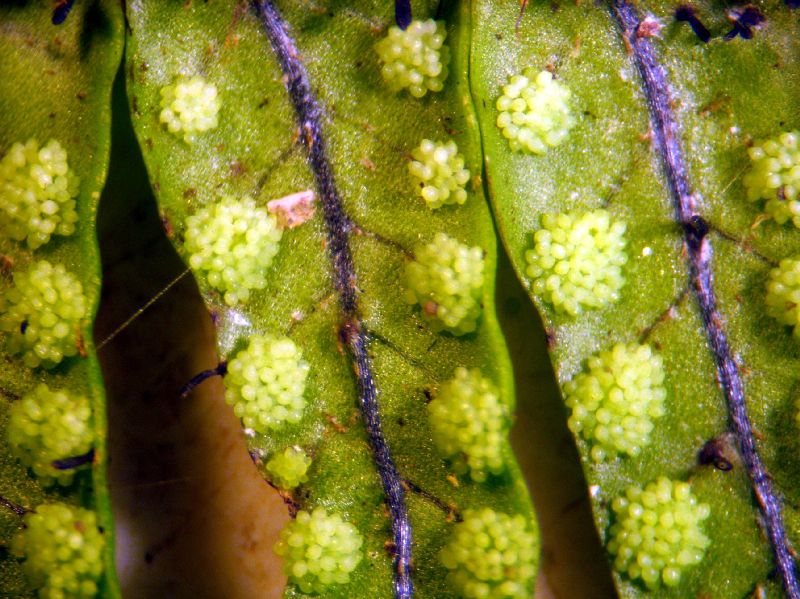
[451, 478]
[649, 27]
[81, 95]
[338, 426]
[550, 336]
[293, 210]
[190, 192]
[166, 224]
[367, 163]
[718, 452]
[430, 308]
[6, 265]
[628, 47]
[715, 105]
[80, 344]
[237, 168]
[576, 48]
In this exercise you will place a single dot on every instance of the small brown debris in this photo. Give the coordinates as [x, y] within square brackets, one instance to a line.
[293, 210]
[430, 308]
[649, 27]
[338, 426]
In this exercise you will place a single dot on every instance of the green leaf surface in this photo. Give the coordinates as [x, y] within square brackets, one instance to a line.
[55, 83]
[724, 95]
[369, 132]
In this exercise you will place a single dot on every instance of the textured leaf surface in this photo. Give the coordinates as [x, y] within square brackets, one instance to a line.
[55, 82]
[725, 93]
[370, 133]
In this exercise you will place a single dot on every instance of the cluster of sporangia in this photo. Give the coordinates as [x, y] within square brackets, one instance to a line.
[575, 264]
[40, 318]
[775, 177]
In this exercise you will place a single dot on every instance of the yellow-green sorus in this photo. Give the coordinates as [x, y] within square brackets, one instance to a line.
[288, 469]
[415, 59]
[534, 112]
[783, 294]
[657, 532]
[446, 279]
[320, 550]
[440, 173]
[41, 314]
[189, 107]
[62, 548]
[577, 259]
[265, 383]
[45, 426]
[231, 245]
[468, 417]
[775, 177]
[491, 555]
[615, 402]
[37, 193]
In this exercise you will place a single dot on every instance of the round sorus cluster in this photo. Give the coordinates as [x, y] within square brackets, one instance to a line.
[491, 555]
[231, 244]
[319, 550]
[470, 421]
[657, 532]
[534, 112]
[441, 173]
[775, 177]
[189, 107]
[615, 402]
[37, 193]
[288, 469]
[416, 58]
[45, 426]
[577, 259]
[265, 383]
[446, 279]
[63, 551]
[41, 314]
[783, 294]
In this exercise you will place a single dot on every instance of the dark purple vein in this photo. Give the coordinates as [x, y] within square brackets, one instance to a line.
[310, 116]
[667, 141]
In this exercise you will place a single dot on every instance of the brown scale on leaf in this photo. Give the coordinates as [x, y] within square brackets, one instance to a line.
[80, 344]
[6, 265]
[238, 168]
[718, 452]
[722, 103]
[334, 422]
[166, 224]
[649, 27]
[430, 308]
